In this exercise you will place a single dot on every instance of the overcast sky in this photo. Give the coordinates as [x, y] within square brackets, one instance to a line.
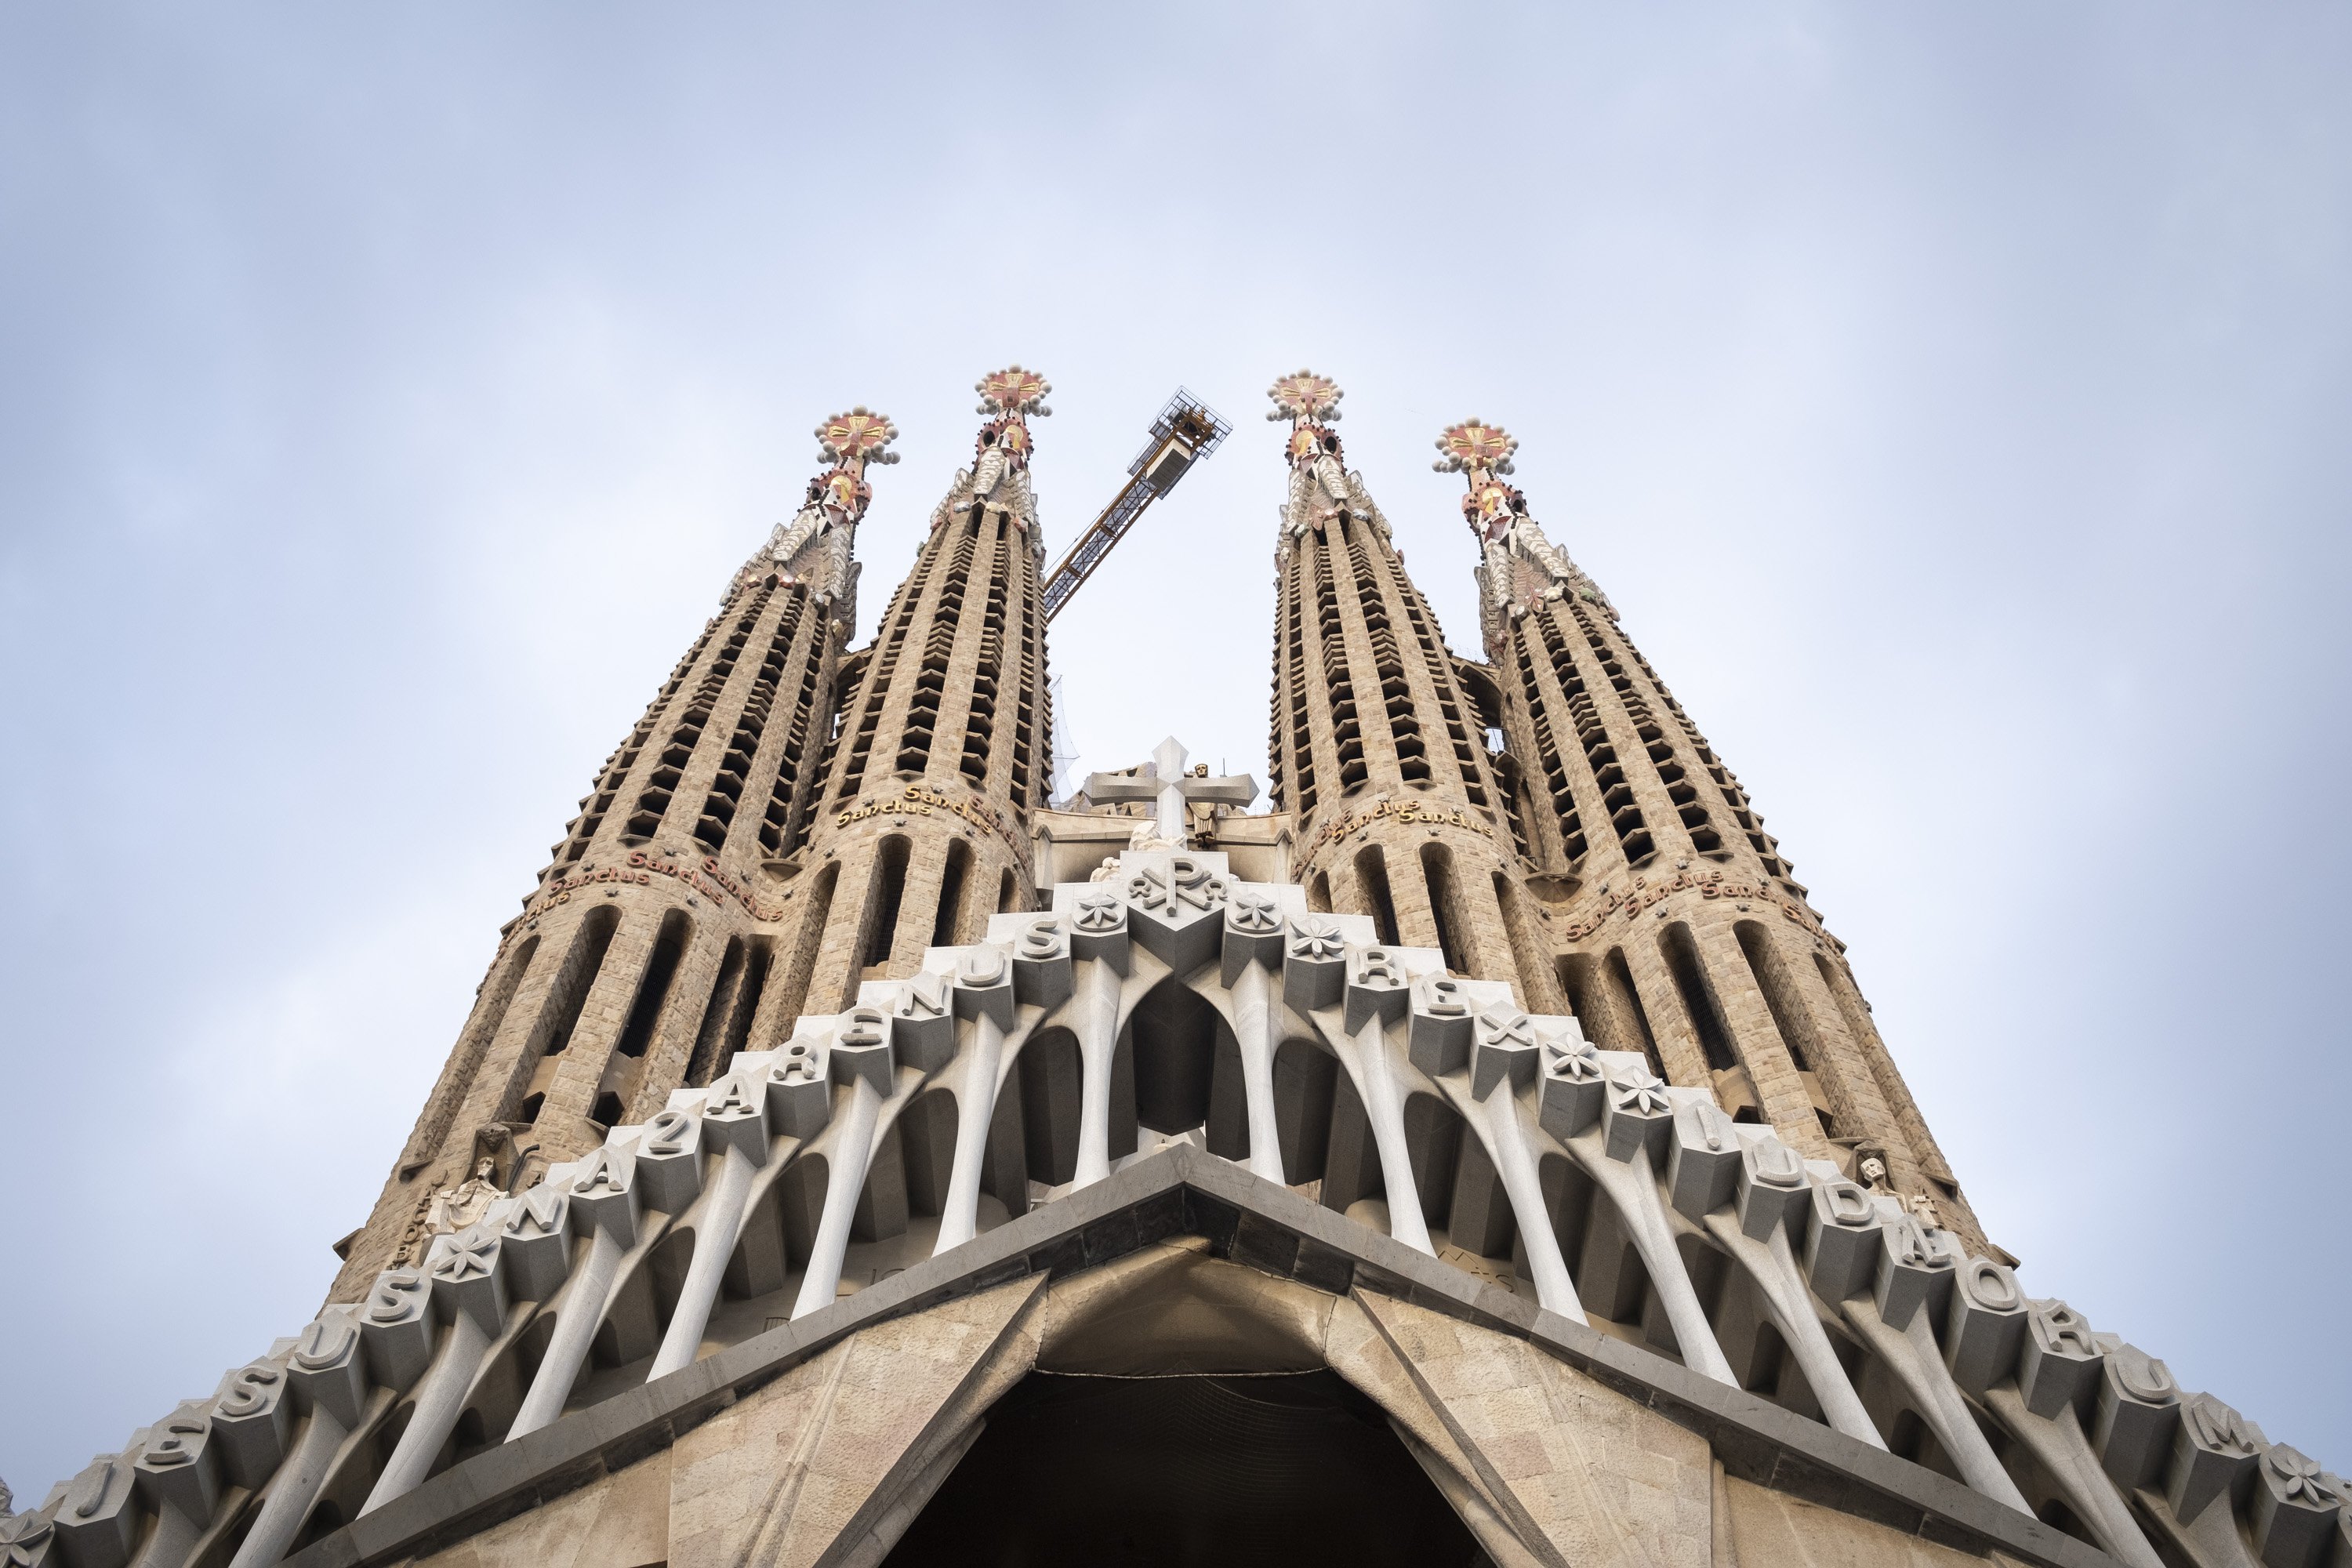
[1954, 398]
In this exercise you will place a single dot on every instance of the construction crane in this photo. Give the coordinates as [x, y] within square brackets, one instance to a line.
[1186, 431]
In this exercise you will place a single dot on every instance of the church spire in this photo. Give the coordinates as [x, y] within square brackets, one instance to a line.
[641, 954]
[1378, 749]
[1519, 565]
[942, 746]
[1688, 938]
[815, 548]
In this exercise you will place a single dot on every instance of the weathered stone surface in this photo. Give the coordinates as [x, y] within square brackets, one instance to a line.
[782, 1476]
[1769, 1529]
[619, 1521]
[1603, 1479]
[1172, 1308]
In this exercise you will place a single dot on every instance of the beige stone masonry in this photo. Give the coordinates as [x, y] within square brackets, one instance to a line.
[1759, 1527]
[1605, 1482]
[797, 1474]
[621, 1522]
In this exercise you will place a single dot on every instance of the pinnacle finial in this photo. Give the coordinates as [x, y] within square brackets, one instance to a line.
[859, 435]
[1475, 447]
[1013, 390]
[1302, 394]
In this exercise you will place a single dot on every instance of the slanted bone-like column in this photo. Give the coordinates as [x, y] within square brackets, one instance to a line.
[1252, 945]
[1774, 1199]
[1502, 1111]
[470, 1290]
[601, 1189]
[1362, 1035]
[1912, 1282]
[1610, 1114]
[329, 1374]
[983, 1003]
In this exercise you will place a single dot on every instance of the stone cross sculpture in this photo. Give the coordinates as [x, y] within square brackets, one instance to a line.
[1164, 780]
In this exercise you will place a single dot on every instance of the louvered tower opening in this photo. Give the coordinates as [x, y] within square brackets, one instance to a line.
[726, 793]
[1032, 720]
[654, 801]
[1388, 664]
[600, 801]
[980, 722]
[778, 832]
[1449, 705]
[1599, 756]
[876, 695]
[1347, 730]
[1548, 759]
[939, 654]
[1695, 818]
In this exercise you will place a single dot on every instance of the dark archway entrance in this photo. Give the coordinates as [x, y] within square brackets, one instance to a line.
[1169, 1472]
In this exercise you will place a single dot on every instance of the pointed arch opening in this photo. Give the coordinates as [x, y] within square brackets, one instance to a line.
[1697, 990]
[949, 918]
[877, 932]
[1445, 909]
[1373, 880]
[1243, 1470]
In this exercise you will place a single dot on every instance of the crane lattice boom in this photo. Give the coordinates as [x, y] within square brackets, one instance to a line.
[1186, 431]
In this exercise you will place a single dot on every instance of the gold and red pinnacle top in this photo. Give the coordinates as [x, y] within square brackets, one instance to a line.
[1311, 403]
[856, 439]
[848, 442]
[1475, 446]
[1481, 451]
[1303, 396]
[1011, 394]
[1013, 390]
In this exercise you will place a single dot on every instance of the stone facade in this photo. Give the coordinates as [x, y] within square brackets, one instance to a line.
[1498, 1092]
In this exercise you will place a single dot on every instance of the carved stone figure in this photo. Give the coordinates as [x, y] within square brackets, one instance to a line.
[454, 1208]
[1318, 479]
[814, 546]
[1923, 1209]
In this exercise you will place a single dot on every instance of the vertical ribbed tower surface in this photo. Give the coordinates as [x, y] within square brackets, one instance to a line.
[1377, 751]
[944, 741]
[1680, 930]
[639, 961]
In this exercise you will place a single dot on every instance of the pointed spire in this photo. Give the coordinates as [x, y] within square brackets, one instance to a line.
[999, 478]
[1321, 486]
[813, 548]
[1521, 565]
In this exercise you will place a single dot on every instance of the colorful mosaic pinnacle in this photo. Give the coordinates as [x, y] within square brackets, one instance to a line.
[1475, 447]
[1304, 396]
[859, 436]
[1013, 390]
[1481, 451]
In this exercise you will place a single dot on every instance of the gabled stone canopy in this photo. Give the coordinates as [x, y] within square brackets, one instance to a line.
[1477, 1162]
[1282, 1278]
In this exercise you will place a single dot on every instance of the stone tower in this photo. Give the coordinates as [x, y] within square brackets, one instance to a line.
[1377, 751]
[943, 745]
[1483, 1158]
[639, 959]
[1682, 933]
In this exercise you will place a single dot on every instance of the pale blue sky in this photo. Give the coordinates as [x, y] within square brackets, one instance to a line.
[1953, 398]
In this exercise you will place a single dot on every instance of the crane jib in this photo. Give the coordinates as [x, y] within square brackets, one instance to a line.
[1186, 431]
